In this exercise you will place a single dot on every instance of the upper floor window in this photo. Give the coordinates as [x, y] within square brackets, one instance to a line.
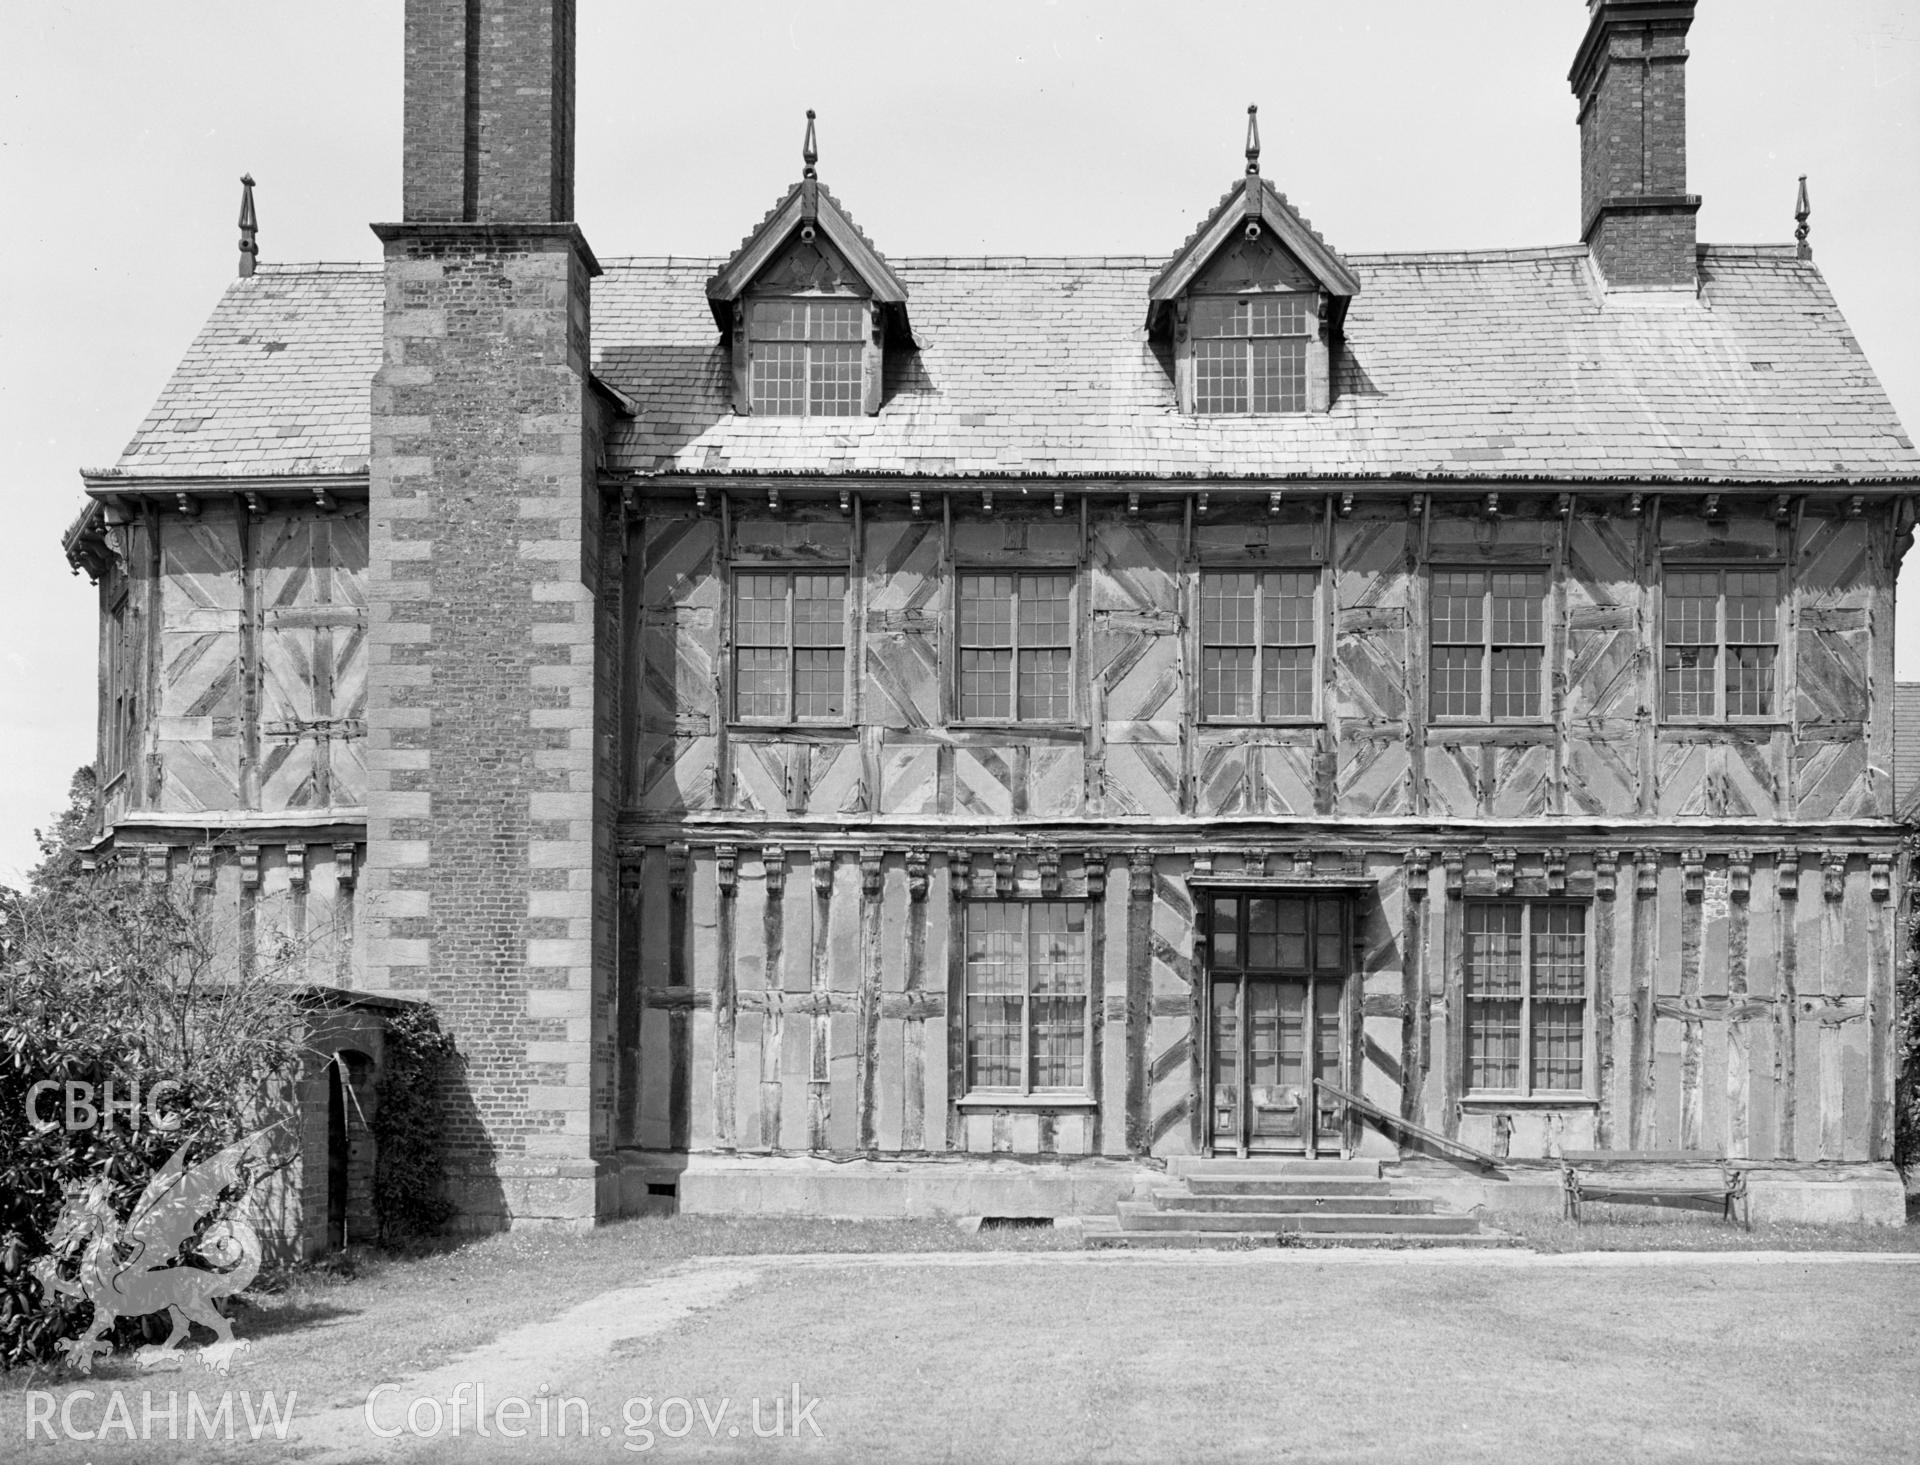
[1250, 353]
[1720, 639]
[790, 646]
[1526, 990]
[1016, 647]
[1258, 644]
[122, 713]
[1027, 984]
[1489, 644]
[804, 357]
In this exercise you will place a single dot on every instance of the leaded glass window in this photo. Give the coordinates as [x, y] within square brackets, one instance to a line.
[1250, 352]
[804, 357]
[1016, 647]
[1027, 983]
[790, 646]
[1721, 642]
[1258, 639]
[1526, 994]
[1488, 631]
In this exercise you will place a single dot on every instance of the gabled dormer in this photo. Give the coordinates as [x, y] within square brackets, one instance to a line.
[1252, 305]
[809, 308]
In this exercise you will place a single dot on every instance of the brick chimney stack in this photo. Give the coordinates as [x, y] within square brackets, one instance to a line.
[489, 111]
[1631, 78]
[488, 883]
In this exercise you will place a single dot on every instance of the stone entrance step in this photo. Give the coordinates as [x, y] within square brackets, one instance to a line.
[1284, 1202]
[1275, 1168]
[1380, 1203]
[1145, 1216]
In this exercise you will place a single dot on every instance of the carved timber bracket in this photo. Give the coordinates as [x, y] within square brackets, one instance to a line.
[1140, 874]
[870, 872]
[1786, 871]
[1647, 875]
[1693, 869]
[1417, 863]
[677, 869]
[1880, 870]
[726, 864]
[1095, 866]
[822, 872]
[773, 865]
[1833, 874]
[1740, 874]
[1606, 865]
[1456, 866]
[959, 872]
[916, 874]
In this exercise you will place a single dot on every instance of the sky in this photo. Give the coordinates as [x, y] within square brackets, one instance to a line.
[1036, 127]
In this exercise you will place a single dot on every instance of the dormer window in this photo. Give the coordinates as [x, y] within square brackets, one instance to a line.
[808, 309]
[1250, 353]
[1251, 307]
[805, 357]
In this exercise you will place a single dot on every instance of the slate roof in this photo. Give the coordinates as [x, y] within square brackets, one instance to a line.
[277, 381]
[1468, 364]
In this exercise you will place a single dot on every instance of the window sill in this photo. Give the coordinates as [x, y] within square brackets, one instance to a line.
[1282, 724]
[1029, 725]
[1471, 724]
[838, 729]
[1709, 724]
[1026, 1101]
[1528, 1101]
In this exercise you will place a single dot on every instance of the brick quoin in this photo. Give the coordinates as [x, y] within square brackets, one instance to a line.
[1631, 78]
[487, 866]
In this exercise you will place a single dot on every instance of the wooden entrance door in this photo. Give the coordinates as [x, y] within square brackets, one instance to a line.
[1277, 974]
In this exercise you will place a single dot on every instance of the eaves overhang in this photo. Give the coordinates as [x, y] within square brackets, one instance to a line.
[114, 497]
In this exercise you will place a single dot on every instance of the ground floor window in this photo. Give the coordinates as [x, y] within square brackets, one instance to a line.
[1526, 981]
[1026, 980]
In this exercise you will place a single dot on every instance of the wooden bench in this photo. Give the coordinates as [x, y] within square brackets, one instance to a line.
[1602, 1175]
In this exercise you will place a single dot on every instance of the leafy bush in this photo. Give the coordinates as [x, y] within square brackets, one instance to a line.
[409, 1179]
[105, 980]
[1906, 1097]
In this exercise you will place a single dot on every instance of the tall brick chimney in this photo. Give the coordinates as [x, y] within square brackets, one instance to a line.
[489, 849]
[1631, 78]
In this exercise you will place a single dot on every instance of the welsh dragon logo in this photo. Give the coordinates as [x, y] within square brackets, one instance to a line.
[133, 1268]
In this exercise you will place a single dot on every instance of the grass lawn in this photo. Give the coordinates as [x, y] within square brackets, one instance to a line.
[326, 1331]
[1282, 1357]
[1018, 1357]
[1640, 1228]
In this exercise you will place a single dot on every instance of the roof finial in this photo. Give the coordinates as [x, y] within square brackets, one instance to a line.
[249, 227]
[810, 150]
[1253, 142]
[1802, 210]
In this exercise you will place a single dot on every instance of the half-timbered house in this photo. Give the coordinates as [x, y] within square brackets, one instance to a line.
[995, 724]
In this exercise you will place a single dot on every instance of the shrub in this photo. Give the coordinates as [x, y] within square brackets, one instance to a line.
[106, 980]
[409, 1180]
[1906, 1095]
